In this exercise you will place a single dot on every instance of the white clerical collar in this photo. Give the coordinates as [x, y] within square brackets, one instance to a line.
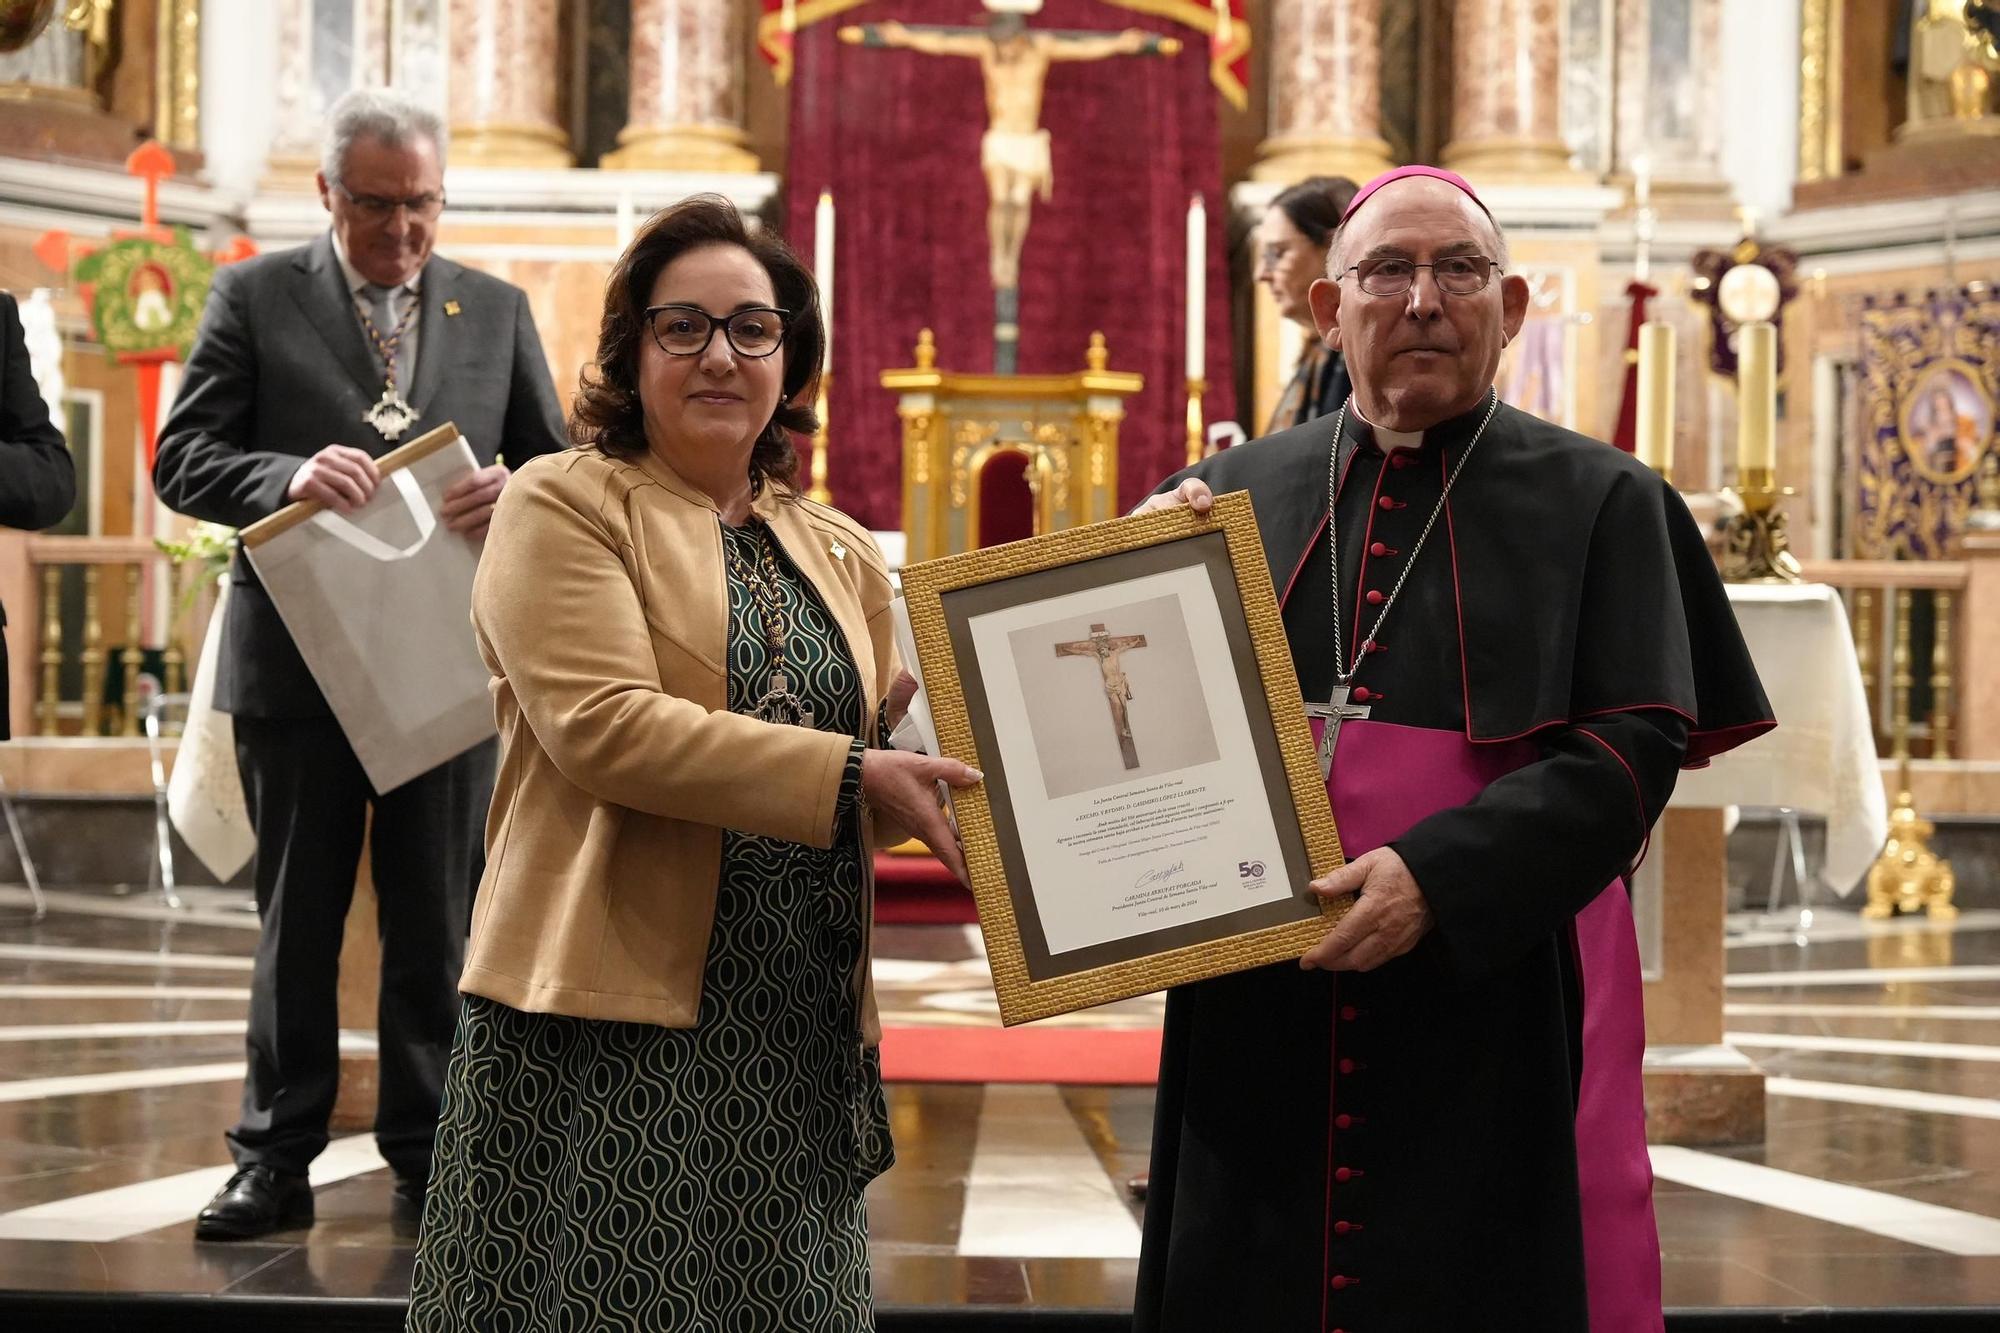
[1386, 439]
[355, 282]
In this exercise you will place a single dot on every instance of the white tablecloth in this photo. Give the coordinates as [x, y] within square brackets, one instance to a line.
[1821, 758]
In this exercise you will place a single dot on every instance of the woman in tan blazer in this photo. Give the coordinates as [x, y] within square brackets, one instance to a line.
[665, 1098]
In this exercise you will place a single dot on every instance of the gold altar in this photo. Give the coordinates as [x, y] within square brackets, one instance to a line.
[971, 442]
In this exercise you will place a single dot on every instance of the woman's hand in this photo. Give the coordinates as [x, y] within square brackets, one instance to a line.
[900, 693]
[903, 788]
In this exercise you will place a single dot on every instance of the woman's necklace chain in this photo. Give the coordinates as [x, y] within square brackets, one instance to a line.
[1343, 668]
[778, 703]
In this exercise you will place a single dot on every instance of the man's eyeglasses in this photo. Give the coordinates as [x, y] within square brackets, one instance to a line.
[687, 330]
[379, 208]
[1457, 275]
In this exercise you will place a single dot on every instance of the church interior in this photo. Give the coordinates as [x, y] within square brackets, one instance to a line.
[1762, 244]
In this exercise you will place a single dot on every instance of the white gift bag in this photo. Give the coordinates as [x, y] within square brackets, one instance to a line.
[380, 605]
[205, 791]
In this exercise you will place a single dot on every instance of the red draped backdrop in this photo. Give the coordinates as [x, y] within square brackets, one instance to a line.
[895, 136]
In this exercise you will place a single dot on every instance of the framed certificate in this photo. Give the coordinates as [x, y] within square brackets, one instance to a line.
[1152, 808]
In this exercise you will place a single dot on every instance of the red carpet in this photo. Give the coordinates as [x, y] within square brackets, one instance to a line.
[1020, 1055]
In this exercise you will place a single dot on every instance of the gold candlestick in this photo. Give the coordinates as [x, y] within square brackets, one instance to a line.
[1756, 545]
[1196, 446]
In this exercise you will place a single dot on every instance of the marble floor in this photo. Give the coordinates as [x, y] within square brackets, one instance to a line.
[1878, 1186]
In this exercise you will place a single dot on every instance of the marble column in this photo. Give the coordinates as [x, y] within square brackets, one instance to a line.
[325, 48]
[504, 103]
[1506, 82]
[687, 90]
[1669, 93]
[1326, 70]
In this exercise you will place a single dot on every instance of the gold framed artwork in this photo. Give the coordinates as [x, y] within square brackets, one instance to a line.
[1946, 422]
[1152, 807]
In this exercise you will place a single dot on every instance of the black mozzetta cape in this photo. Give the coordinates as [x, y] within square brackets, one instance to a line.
[1563, 602]
[1583, 584]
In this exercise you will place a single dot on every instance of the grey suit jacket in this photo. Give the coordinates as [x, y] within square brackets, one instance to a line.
[281, 369]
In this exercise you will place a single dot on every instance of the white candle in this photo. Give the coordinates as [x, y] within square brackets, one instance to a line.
[823, 266]
[1756, 402]
[1197, 289]
[1655, 443]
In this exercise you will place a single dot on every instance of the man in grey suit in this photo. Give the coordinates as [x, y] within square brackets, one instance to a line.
[362, 338]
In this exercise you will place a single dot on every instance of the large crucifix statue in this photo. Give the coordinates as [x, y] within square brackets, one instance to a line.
[1014, 154]
[1108, 649]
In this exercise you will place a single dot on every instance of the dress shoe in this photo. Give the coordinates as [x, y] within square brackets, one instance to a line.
[1136, 1186]
[257, 1201]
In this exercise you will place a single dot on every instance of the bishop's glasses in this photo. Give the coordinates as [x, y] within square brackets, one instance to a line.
[1457, 275]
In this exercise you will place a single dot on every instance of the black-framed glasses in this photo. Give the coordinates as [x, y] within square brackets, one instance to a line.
[687, 330]
[1458, 275]
[379, 207]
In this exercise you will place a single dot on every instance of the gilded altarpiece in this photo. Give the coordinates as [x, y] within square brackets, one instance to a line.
[972, 443]
[1930, 380]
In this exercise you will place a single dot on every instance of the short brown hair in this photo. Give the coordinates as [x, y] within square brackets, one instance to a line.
[607, 413]
[1316, 205]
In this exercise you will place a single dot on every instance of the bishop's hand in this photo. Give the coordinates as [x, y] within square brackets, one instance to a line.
[1193, 493]
[1386, 921]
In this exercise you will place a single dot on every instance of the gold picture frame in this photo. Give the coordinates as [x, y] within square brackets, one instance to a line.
[1226, 716]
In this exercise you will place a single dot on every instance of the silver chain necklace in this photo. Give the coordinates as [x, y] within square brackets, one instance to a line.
[1343, 676]
[1337, 709]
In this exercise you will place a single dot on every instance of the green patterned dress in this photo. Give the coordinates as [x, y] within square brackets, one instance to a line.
[596, 1176]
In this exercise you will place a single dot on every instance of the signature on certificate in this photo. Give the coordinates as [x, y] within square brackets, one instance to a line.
[1159, 876]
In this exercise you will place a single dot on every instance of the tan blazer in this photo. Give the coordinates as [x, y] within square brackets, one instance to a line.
[601, 609]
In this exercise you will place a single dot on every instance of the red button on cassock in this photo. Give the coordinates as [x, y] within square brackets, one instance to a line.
[1375, 597]
[1343, 1121]
[1370, 646]
[1386, 502]
[1347, 1173]
[1341, 1280]
[1364, 694]
[1378, 548]
[1348, 1066]
[1400, 459]
[1342, 1227]
[1349, 1012]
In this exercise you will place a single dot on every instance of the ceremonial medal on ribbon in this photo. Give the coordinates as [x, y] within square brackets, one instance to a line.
[392, 414]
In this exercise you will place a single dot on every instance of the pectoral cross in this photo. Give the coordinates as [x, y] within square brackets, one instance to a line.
[1334, 711]
[1108, 649]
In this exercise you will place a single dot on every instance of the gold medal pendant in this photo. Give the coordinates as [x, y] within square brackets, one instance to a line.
[391, 415]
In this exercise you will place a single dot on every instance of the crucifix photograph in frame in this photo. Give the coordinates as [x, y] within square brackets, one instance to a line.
[1152, 808]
